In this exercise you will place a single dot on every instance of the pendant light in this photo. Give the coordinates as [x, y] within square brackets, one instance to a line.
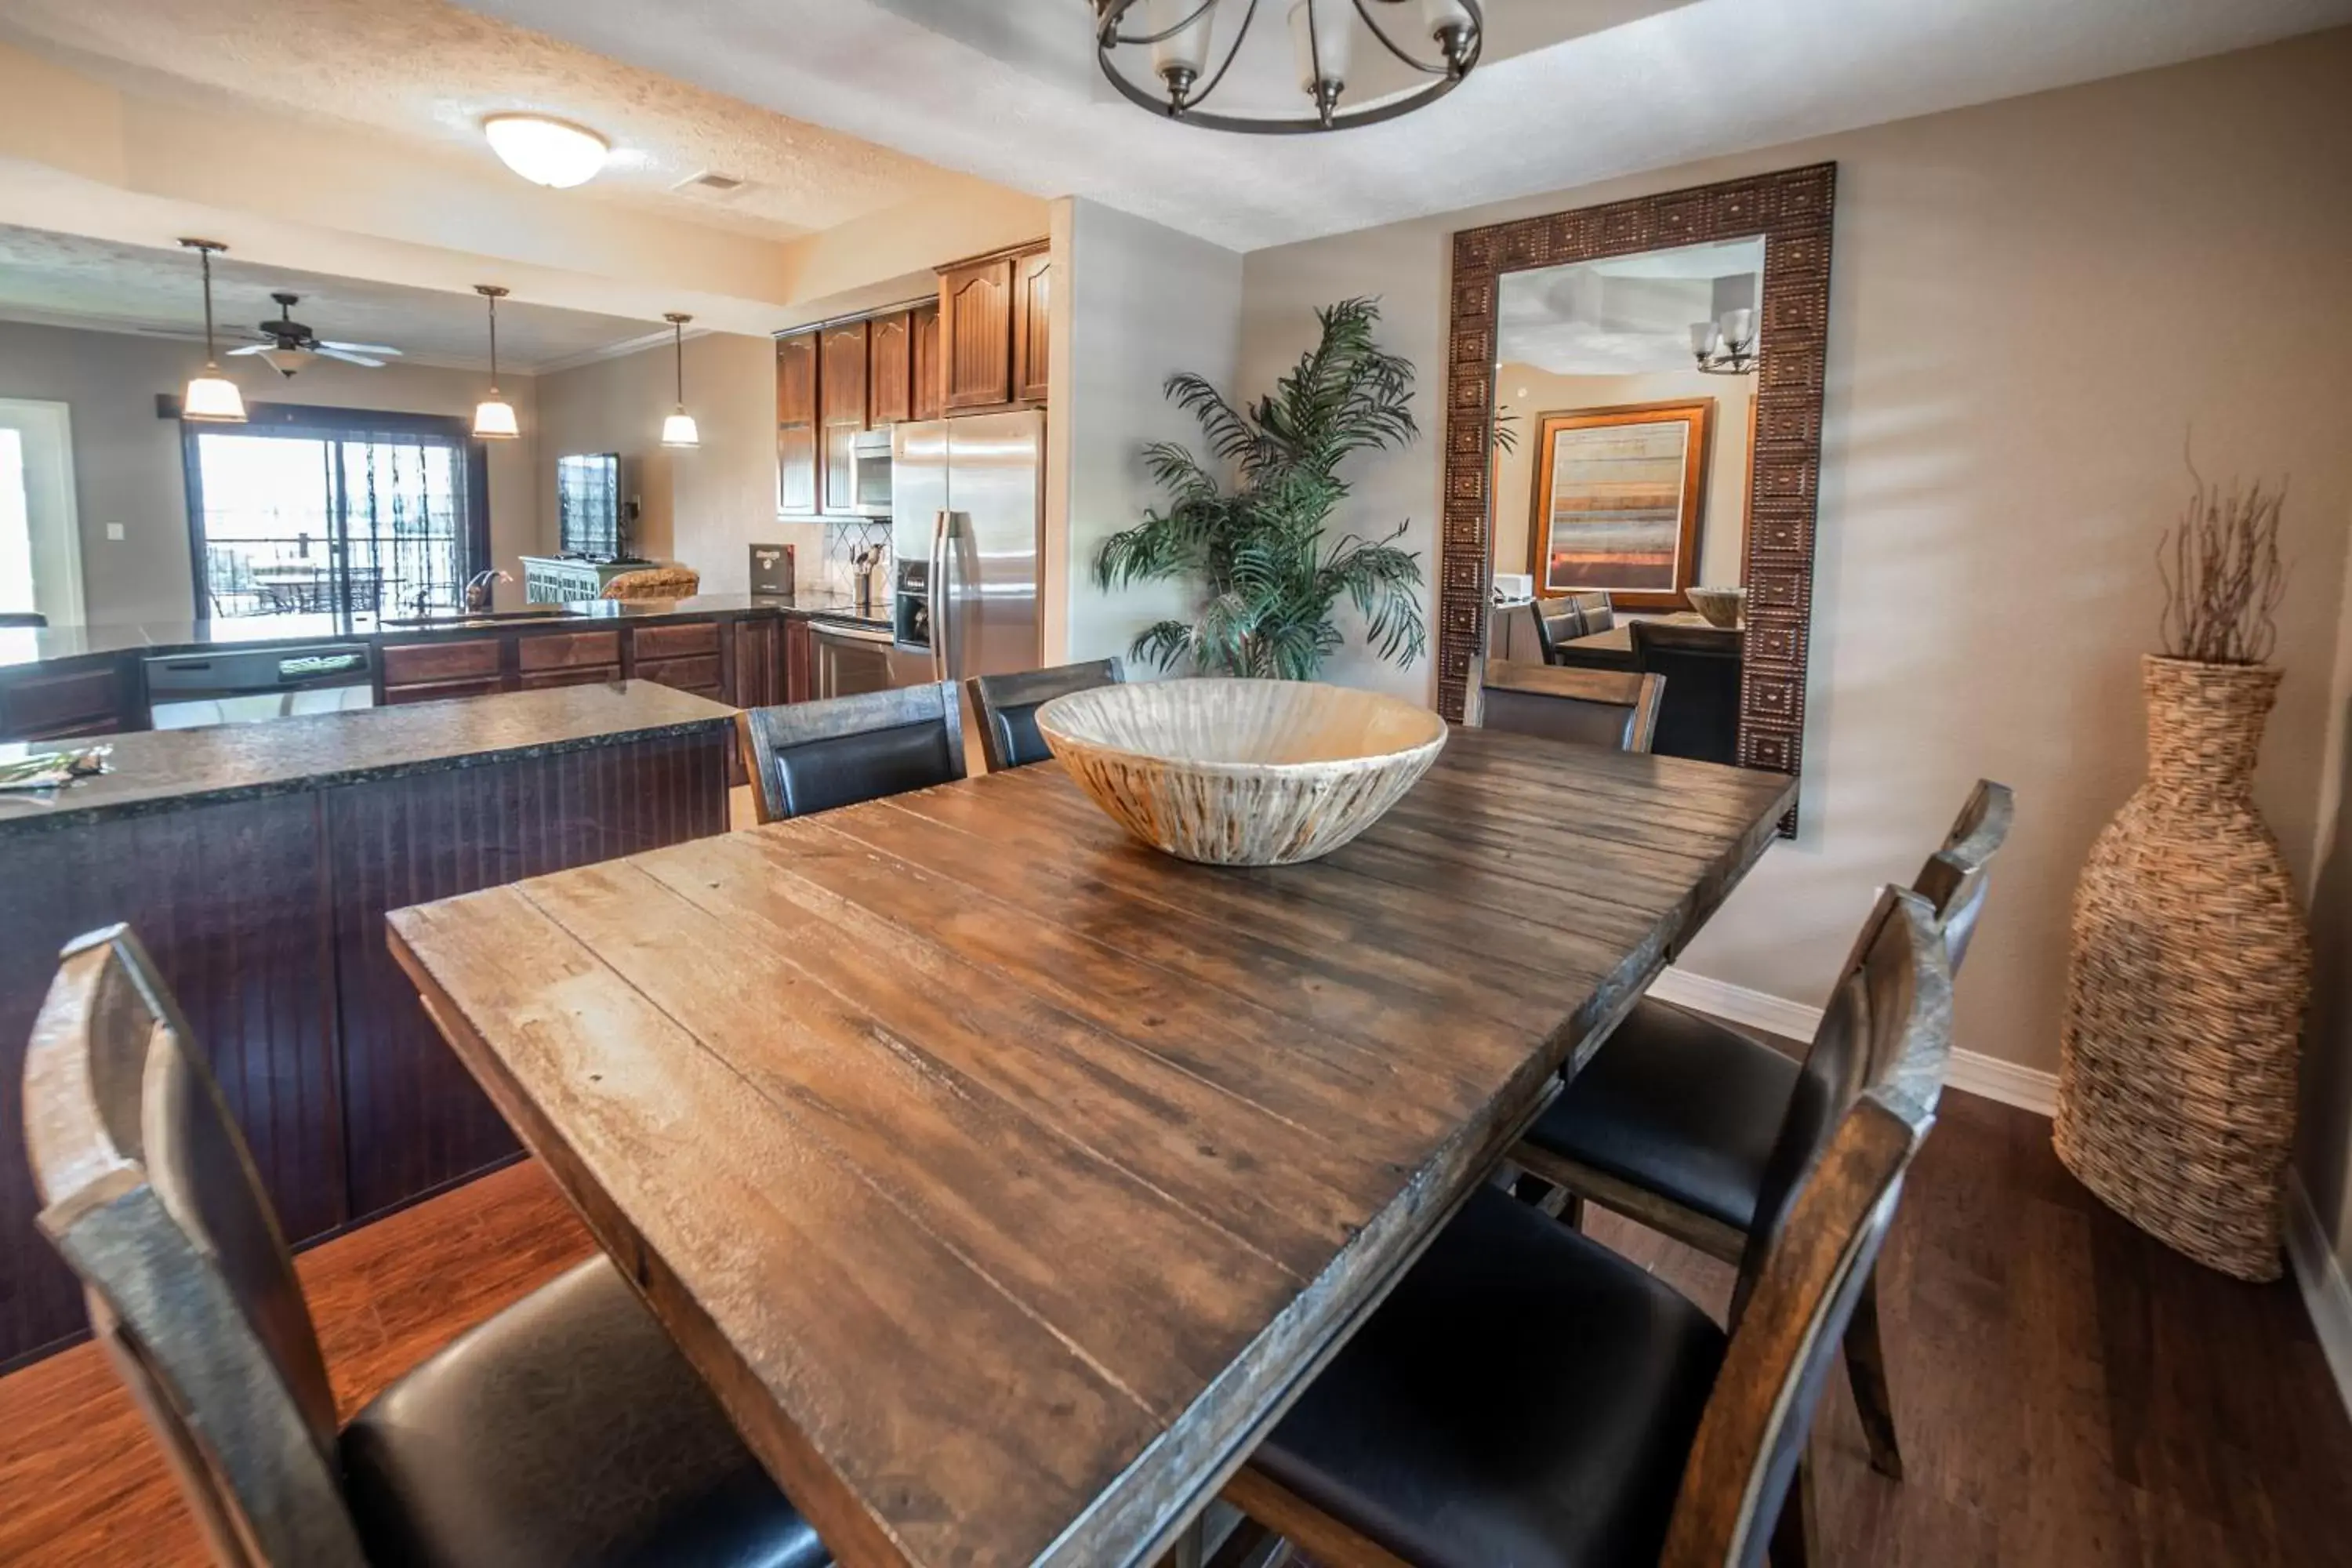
[678, 429]
[211, 398]
[494, 416]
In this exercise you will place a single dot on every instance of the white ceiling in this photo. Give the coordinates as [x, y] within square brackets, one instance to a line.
[428, 72]
[986, 89]
[70, 281]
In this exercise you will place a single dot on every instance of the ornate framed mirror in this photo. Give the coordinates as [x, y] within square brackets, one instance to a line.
[1633, 412]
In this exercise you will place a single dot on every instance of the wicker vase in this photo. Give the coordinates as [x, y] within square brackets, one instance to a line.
[2188, 974]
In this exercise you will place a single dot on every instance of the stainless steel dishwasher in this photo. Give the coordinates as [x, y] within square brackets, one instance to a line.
[185, 691]
[849, 660]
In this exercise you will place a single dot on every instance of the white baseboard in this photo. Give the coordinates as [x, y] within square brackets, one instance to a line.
[2310, 1252]
[2324, 1295]
[2028, 1089]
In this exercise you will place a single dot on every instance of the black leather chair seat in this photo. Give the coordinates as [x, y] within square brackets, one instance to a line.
[1679, 1104]
[566, 1432]
[1526, 1397]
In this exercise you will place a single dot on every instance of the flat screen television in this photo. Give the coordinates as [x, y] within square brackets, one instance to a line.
[589, 524]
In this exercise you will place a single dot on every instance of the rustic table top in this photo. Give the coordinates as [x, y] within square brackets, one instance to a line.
[1005, 1178]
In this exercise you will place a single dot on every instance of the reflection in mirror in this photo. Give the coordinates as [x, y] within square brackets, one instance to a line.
[1622, 443]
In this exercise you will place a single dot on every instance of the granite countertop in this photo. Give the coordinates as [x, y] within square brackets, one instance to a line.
[20, 647]
[157, 770]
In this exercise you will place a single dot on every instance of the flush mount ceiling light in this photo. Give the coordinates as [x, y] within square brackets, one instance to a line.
[494, 416]
[678, 429]
[211, 398]
[1178, 34]
[546, 151]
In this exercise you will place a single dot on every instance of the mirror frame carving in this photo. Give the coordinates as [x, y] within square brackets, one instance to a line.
[1792, 210]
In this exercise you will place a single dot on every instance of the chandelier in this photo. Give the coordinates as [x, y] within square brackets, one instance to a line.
[1726, 346]
[1323, 46]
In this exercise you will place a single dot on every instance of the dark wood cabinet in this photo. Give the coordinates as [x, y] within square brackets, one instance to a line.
[60, 705]
[1033, 325]
[796, 423]
[923, 328]
[841, 401]
[799, 661]
[996, 331]
[976, 335]
[890, 370]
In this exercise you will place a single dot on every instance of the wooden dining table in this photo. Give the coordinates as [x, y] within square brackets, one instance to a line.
[1007, 1179]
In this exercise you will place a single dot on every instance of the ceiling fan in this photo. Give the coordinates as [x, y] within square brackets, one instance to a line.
[290, 346]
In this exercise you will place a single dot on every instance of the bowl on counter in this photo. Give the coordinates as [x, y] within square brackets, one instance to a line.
[1720, 607]
[1242, 773]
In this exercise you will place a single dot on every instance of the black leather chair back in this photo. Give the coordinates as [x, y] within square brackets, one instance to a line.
[1583, 707]
[1830, 1198]
[1557, 622]
[1595, 611]
[153, 1199]
[1006, 707]
[815, 756]
[1701, 664]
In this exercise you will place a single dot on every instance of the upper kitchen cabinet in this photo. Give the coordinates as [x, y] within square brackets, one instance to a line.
[1033, 318]
[796, 423]
[841, 403]
[923, 327]
[995, 330]
[976, 331]
[890, 370]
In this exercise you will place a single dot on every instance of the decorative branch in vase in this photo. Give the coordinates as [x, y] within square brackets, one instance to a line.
[2190, 964]
[1271, 585]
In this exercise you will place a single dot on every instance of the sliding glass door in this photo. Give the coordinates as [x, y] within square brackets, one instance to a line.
[337, 513]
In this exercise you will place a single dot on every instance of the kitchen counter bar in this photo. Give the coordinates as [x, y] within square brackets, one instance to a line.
[256, 861]
[153, 770]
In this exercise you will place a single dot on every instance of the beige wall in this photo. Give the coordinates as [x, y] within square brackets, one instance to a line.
[1530, 393]
[1144, 302]
[2032, 302]
[703, 508]
[127, 466]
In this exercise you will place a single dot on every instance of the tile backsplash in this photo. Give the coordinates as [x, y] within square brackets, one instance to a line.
[845, 534]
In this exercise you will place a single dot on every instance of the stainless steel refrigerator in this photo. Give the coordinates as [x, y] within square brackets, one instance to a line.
[968, 509]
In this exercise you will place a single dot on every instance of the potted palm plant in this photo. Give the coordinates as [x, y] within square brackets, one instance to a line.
[1271, 584]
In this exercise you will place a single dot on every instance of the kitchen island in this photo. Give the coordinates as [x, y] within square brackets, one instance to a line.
[257, 862]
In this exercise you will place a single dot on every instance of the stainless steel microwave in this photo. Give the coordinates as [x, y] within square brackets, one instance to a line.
[869, 469]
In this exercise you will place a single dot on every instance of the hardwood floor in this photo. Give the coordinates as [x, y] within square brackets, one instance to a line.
[2070, 1393]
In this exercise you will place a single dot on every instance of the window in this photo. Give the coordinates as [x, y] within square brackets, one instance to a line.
[335, 511]
[40, 543]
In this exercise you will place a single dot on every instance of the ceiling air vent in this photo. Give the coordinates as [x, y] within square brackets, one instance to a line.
[712, 183]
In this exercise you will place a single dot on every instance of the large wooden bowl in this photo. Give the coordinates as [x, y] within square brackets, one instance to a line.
[1242, 773]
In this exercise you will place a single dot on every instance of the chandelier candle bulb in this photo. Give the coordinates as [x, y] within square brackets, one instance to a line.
[1181, 54]
[1704, 336]
[1323, 35]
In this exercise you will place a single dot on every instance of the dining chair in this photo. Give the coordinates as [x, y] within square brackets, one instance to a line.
[1007, 707]
[1673, 1121]
[19, 620]
[1557, 622]
[1555, 703]
[566, 1429]
[815, 756]
[1702, 719]
[1526, 1396]
[655, 583]
[1593, 609]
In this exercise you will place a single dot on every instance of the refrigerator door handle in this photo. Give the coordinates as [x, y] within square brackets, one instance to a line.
[942, 594]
